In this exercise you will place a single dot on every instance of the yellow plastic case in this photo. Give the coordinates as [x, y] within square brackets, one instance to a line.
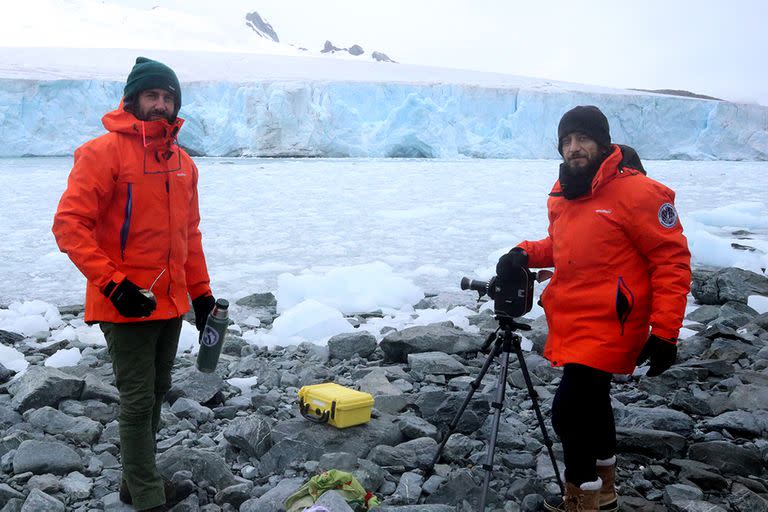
[334, 404]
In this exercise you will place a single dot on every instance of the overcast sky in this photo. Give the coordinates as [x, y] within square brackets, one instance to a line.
[713, 47]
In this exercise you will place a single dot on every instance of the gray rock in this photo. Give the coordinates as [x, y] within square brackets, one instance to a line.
[272, 500]
[655, 443]
[417, 453]
[736, 314]
[704, 314]
[8, 417]
[695, 506]
[337, 460]
[96, 389]
[414, 427]
[740, 423]
[430, 338]
[750, 397]
[727, 284]
[186, 408]
[77, 486]
[743, 499]
[458, 487]
[728, 458]
[332, 500]
[679, 492]
[349, 345]
[298, 439]
[7, 493]
[204, 465]
[656, 418]
[5, 374]
[440, 408]
[692, 346]
[408, 489]
[198, 386]
[41, 386]
[435, 363]
[458, 447]
[264, 306]
[93, 409]
[370, 475]
[38, 501]
[235, 495]
[700, 474]
[251, 434]
[377, 384]
[40, 457]
[51, 421]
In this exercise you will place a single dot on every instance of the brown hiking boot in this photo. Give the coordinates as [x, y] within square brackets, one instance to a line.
[609, 500]
[582, 498]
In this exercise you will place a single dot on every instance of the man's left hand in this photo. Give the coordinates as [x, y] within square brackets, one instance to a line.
[203, 306]
[661, 352]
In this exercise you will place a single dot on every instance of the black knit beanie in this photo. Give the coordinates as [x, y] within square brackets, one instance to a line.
[151, 74]
[587, 120]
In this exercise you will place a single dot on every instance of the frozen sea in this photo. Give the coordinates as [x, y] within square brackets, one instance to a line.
[431, 221]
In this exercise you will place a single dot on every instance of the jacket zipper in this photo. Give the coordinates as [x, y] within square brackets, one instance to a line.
[125, 229]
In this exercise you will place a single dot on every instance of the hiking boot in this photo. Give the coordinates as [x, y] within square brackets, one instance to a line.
[583, 498]
[606, 470]
[174, 492]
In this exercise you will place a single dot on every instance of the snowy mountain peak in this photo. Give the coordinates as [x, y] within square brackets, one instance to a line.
[261, 26]
[355, 50]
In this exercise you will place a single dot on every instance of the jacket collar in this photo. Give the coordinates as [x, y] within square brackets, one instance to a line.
[607, 171]
[155, 134]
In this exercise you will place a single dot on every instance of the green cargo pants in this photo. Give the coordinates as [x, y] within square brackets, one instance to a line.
[142, 358]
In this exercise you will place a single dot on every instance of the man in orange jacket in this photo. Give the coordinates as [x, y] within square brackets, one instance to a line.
[617, 296]
[129, 221]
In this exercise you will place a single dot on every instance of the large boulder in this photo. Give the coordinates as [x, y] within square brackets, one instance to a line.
[429, 338]
[204, 465]
[726, 284]
[41, 457]
[41, 386]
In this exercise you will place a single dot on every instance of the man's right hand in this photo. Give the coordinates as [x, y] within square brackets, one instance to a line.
[128, 299]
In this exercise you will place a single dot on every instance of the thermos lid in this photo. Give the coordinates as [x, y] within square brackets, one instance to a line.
[222, 303]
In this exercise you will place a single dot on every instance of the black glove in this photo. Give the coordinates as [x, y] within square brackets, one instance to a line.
[203, 305]
[662, 353]
[513, 260]
[128, 300]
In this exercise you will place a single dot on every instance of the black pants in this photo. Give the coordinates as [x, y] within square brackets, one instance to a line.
[583, 419]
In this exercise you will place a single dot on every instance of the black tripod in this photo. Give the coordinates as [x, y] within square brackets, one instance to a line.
[504, 345]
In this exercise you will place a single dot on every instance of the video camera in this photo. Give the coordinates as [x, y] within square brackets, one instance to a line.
[512, 294]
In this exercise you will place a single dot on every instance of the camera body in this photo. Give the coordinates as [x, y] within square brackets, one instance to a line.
[512, 293]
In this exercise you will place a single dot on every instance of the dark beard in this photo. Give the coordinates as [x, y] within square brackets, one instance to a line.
[148, 116]
[577, 181]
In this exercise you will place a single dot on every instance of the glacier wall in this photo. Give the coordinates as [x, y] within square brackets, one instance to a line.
[359, 119]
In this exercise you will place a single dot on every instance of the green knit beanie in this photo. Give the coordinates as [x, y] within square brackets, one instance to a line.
[151, 74]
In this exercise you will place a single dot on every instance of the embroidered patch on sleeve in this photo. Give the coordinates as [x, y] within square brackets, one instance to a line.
[667, 215]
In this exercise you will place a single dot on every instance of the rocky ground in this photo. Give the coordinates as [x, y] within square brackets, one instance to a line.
[693, 439]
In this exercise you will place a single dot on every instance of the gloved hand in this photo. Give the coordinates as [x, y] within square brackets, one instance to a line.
[512, 261]
[203, 305]
[661, 352]
[128, 300]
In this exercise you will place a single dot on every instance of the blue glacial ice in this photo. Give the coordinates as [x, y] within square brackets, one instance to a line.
[281, 118]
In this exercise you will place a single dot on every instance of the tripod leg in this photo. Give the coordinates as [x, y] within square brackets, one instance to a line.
[498, 405]
[473, 387]
[534, 400]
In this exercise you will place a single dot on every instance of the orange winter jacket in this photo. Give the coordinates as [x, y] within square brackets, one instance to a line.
[130, 210]
[621, 266]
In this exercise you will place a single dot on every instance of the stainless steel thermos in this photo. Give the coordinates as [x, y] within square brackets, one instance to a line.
[212, 337]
